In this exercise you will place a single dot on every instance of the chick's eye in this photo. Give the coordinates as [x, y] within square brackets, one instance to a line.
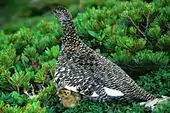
[64, 92]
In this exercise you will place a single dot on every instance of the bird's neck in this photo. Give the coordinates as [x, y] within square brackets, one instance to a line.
[70, 36]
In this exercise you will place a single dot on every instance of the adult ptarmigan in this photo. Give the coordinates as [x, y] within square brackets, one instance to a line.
[80, 69]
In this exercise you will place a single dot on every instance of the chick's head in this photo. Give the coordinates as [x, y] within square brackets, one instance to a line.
[64, 93]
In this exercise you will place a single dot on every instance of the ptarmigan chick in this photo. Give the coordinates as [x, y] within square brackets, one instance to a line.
[68, 98]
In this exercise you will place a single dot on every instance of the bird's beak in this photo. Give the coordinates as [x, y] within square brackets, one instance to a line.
[57, 92]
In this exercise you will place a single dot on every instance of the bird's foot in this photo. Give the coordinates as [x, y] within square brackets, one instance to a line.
[154, 102]
[31, 96]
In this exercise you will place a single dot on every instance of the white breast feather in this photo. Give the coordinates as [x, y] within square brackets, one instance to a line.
[113, 92]
[63, 69]
[71, 88]
[94, 94]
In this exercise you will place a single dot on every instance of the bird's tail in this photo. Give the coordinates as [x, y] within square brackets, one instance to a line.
[144, 95]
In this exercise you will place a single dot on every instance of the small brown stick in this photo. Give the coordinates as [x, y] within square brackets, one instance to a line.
[147, 22]
[136, 26]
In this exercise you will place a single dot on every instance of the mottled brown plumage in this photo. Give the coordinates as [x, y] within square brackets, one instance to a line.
[81, 70]
[68, 98]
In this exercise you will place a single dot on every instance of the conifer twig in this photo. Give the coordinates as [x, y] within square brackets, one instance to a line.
[136, 26]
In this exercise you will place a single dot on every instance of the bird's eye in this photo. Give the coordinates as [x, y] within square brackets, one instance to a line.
[68, 93]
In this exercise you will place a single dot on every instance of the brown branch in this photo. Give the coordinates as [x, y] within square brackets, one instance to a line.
[136, 26]
[147, 22]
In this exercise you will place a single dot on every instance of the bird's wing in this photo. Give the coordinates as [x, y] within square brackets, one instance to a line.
[99, 67]
[76, 78]
[112, 75]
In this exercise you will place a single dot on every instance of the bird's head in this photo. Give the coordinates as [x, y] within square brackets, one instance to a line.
[62, 13]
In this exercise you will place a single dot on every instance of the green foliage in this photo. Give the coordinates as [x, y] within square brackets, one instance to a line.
[13, 98]
[34, 107]
[132, 33]
[164, 42]
[154, 32]
[163, 107]
[147, 56]
[8, 56]
[157, 82]
[20, 79]
[53, 52]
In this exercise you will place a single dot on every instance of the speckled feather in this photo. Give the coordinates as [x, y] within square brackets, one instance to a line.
[82, 70]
